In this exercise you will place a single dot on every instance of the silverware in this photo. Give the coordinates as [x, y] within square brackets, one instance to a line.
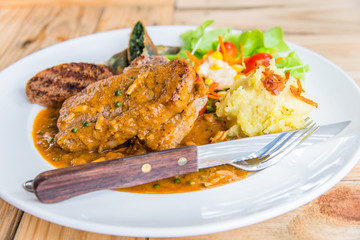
[64, 183]
[276, 149]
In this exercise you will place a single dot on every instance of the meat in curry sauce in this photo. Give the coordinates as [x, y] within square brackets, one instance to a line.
[204, 131]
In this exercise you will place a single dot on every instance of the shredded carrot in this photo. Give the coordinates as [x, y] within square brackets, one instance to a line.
[280, 58]
[213, 87]
[249, 72]
[287, 76]
[296, 91]
[237, 61]
[214, 94]
[222, 47]
[213, 97]
[299, 85]
[192, 57]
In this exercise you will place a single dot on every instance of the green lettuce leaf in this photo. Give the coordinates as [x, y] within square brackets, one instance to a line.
[294, 65]
[199, 42]
[191, 37]
[252, 41]
[210, 40]
[202, 41]
[273, 38]
[299, 72]
[255, 41]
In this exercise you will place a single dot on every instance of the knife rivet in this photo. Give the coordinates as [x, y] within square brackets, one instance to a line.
[146, 168]
[182, 161]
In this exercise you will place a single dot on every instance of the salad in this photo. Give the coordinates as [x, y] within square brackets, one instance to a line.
[227, 63]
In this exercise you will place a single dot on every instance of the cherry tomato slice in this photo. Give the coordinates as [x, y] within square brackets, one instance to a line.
[231, 49]
[251, 61]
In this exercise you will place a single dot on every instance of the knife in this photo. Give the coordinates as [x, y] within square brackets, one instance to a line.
[60, 184]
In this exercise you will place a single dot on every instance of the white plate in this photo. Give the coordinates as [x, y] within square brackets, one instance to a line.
[299, 178]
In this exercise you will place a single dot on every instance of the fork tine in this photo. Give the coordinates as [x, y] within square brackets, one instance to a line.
[267, 148]
[267, 159]
[271, 160]
[292, 144]
[295, 135]
[275, 146]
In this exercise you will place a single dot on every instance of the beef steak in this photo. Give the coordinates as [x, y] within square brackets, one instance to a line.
[157, 103]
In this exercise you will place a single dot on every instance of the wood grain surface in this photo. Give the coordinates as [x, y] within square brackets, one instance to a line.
[63, 183]
[328, 27]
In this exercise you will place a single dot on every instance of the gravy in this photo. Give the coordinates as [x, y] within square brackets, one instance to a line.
[204, 131]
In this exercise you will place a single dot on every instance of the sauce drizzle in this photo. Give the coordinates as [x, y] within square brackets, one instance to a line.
[205, 129]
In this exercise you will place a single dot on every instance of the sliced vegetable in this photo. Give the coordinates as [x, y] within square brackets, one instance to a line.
[250, 62]
[136, 42]
[231, 50]
[140, 42]
[297, 91]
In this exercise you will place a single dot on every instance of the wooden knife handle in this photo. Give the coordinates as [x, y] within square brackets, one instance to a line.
[64, 183]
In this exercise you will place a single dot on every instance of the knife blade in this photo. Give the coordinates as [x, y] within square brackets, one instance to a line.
[240, 149]
[60, 184]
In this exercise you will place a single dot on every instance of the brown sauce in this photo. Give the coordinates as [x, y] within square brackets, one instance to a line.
[205, 130]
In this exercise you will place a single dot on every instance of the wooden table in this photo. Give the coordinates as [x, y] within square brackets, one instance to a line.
[328, 27]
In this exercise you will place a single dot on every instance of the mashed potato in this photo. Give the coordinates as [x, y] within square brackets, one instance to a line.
[251, 109]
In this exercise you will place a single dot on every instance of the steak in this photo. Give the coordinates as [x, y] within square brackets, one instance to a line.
[52, 86]
[156, 103]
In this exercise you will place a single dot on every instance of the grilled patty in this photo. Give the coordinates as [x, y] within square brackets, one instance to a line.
[52, 86]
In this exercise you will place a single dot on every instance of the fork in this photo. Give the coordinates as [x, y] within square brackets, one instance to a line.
[273, 152]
